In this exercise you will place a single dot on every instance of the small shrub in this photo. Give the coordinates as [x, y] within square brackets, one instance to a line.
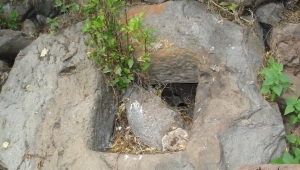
[274, 80]
[111, 41]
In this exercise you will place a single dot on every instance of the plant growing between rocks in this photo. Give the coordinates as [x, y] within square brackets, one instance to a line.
[64, 7]
[111, 41]
[10, 21]
[274, 80]
[288, 158]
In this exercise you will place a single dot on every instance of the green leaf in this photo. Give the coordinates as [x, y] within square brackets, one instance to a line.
[224, 3]
[292, 101]
[145, 66]
[272, 75]
[276, 161]
[130, 62]
[265, 89]
[284, 78]
[293, 119]
[126, 70]
[13, 15]
[272, 96]
[232, 6]
[291, 138]
[75, 7]
[285, 84]
[269, 81]
[296, 151]
[297, 106]
[63, 8]
[277, 89]
[106, 70]
[58, 3]
[48, 20]
[288, 158]
[271, 61]
[130, 77]
[289, 109]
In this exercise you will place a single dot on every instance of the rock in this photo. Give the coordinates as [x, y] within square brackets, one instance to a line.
[46, 7]
[59, 115]
[270, 13]
[149, 118]
[29, 28]
[285, 43]
[12, 42]
[175, 140]
[197, 47]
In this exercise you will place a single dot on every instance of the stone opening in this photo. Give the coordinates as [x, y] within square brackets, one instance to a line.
[176, 100]
[181, 97]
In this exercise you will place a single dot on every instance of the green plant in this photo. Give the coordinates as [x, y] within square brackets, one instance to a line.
[288, 158]
[293, 106]
[274, 80]
[64, 7]
[111, 40]
[53, 24]
[72, 7]
[10, 21]
[230, 6]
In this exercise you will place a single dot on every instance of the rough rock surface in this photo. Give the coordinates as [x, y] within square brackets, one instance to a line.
[149, 117]
[53, 113]
[4, 71]
[60, 119]
[29, 28]
[12, 42]
[285, 43]
[175, 140]
[270, 13]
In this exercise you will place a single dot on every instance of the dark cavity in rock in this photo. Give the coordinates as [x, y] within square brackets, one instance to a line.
[181, 96]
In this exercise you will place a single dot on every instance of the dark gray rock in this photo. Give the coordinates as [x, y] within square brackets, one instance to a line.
[46, 7]
[270, 13]
[149, 117]
[43, 109]
[12, 42]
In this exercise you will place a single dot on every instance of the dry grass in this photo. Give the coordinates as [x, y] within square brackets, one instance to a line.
[291, 15]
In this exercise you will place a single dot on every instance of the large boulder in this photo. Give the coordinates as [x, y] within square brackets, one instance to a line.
[53, 106]
[57, 113]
